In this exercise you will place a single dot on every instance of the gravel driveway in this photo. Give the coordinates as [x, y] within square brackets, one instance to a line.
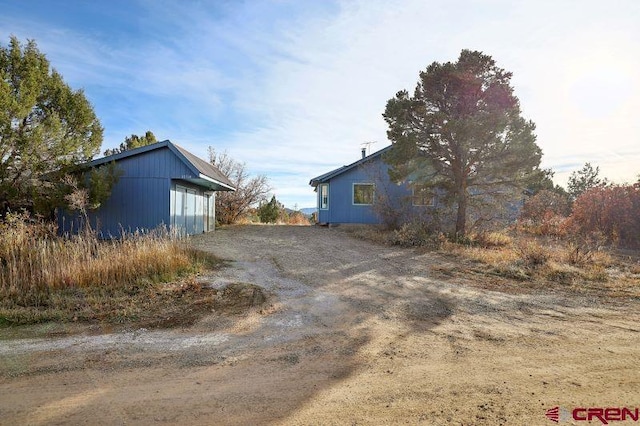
[353, 333]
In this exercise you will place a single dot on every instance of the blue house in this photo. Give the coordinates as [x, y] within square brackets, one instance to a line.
[362, 192]
[159, 184]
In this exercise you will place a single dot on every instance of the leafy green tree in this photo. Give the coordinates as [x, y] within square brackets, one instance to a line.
[582, 180]
[99, 183]
[46, 129]
[269, 212]
[133, 141]
[462, 134]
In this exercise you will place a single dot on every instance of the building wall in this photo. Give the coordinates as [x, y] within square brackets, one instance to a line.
[141, 199]
[341, 208]
[136, 203]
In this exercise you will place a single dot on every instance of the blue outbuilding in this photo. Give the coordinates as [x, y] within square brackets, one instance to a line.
[362, 192]
[159, 184]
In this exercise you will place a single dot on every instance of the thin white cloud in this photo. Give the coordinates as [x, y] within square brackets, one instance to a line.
[293, 89]
[572, 64]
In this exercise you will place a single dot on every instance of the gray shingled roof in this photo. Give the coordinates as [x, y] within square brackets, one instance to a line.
[205, 167]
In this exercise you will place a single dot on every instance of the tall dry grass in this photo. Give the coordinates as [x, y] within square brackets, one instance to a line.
[526, 258]
[35, 263]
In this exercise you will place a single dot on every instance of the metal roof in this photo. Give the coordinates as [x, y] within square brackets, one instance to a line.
[205, 168]
[333, 173]
[206, 172]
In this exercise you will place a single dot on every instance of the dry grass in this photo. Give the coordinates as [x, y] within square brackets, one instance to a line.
[375, 233]
[519, 257]
[541, 262]
[297, 218]
[44, 277]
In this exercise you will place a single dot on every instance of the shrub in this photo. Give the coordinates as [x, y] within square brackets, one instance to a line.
[231, 206]
[545, 214]
[269, 212]
[576, 254]
[298, 218]
[544, 202]
[491, 239]
[611, 211]
[533, 254]
[415, 234]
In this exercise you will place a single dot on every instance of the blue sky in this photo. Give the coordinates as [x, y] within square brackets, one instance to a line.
[294, 87]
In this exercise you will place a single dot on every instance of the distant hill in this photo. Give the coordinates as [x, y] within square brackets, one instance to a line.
[307, 211]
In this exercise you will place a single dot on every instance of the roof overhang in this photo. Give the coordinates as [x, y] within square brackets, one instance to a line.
[205, 183]
[215, 184]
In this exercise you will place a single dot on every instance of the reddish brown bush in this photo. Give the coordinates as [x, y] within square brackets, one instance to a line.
[610, 211]
[545, 214]
[545, 204]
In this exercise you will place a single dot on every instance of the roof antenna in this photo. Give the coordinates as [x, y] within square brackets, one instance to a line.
[366, 147]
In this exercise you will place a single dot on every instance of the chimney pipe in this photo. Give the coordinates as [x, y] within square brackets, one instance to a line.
[364, 152]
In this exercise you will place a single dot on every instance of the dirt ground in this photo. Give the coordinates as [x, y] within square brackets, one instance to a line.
[352, 333]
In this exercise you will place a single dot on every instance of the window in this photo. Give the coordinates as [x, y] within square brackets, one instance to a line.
[324, 196]
[363, 193]
[422, 196]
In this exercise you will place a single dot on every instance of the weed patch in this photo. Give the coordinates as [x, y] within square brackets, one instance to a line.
[47, 278]
[540, 262]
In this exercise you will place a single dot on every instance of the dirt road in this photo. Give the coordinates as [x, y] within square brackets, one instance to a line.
[354, 333]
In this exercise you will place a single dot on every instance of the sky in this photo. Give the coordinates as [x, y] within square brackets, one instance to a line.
[294, 88]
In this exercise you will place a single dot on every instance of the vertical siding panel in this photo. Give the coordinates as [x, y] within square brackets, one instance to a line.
[144, 196]
[156, 166]
[163, 170]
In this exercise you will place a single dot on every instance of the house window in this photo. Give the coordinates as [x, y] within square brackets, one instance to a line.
[324, 197]
[363, 193]
[422, 195]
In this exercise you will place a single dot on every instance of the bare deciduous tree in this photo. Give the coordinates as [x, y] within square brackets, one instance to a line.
[231, 206]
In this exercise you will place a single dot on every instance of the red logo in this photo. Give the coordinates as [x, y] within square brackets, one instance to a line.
[604, 414]
[553, 414]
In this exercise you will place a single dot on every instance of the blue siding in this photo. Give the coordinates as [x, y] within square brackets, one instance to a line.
[341, 208]
[136, 203]
[142, 198]
[160, 163]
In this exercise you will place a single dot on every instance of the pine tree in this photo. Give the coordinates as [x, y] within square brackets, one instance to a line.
[462, 134]
[46, 130]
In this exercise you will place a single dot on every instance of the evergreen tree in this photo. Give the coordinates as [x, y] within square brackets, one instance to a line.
[269, 212]
[461, 133]
[133, 141]
[582, 180]
[46, 130]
